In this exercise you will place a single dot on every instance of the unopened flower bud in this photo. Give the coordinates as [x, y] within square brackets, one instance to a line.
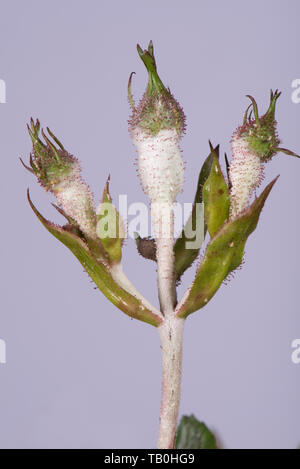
[156, 126]
[59, 172]
[253, 144]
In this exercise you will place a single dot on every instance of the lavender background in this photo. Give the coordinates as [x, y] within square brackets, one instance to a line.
[79, 373]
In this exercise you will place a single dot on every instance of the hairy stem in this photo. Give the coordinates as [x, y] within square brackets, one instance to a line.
[171, 330]
[119, 276]
[163, 218]
[171, 334]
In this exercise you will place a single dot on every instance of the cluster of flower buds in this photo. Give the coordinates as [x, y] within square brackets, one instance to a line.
[156, 127]
[59, 172]
[253, 144]
[229, 217]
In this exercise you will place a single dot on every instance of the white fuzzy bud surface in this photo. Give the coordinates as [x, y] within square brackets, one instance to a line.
[76, 199]
[161, 173]
[246, 174]
[160, 165]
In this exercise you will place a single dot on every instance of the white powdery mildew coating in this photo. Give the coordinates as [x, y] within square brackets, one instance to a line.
[160, 165]
[120, 278]
[76, 199]
[161, 173]
[163, 222]
[246, 174]
[171, 334]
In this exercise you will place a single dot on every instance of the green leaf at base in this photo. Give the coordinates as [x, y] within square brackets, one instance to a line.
[110, 228]
[99, 273]
[185, 257]
[223, 254]
[216, 198]
[192, 434]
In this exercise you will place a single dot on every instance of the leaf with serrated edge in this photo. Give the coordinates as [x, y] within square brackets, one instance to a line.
[100, 274]
[192, 434]
[185, 257]
[223, 254]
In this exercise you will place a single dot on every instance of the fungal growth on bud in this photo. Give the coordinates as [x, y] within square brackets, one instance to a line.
[59, 172]
[253, 144]
[156, 126]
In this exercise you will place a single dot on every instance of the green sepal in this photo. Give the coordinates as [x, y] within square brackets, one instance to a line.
[108, 218]
[51, 164]
[94, 245]
[72, 225]
[99, 273]
[192, 434]
[129, 94]
[185, 257]
[155, 84]
[158, 109]
[260, 132]
[287, 152]
[223, 254]
[215, 197]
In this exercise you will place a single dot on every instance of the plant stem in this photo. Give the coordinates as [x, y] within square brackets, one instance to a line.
[163, 219]
[171, 330]
[119, 276]
[171, 334]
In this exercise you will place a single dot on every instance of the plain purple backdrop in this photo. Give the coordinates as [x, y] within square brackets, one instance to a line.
[79, 373]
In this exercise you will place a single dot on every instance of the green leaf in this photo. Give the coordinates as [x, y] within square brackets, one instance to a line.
[223, 254]
[95, 245]
[216, 198]
[99, 273]
[110, 229]
[185, 257]
[192, 434]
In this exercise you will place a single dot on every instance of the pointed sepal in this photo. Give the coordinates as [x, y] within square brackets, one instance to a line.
[260, 132]
[215, 197]
[223, 254]
[185, 254]
[110, 227]
[287, 152]
[155, 85]
[129, 94]
[158, 109]
[99, 273]
[51, 163]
